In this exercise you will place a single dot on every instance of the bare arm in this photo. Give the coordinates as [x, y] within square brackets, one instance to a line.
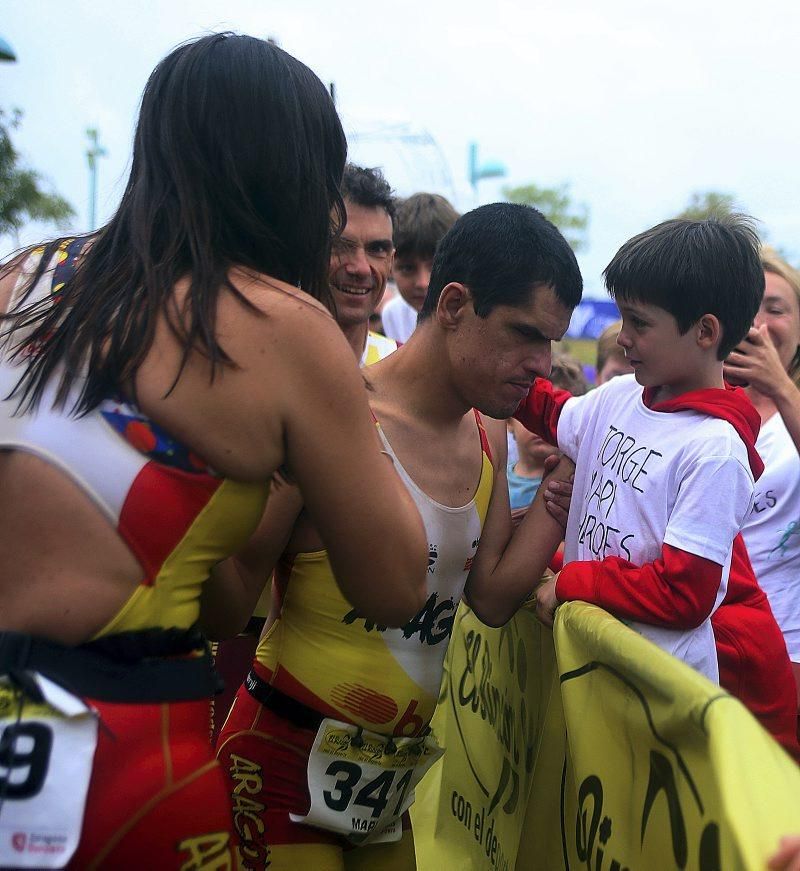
[508, 568]
[354, 498]
[231, 593]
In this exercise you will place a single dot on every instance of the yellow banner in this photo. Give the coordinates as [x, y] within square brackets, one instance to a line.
[498, 687]
[618, 757]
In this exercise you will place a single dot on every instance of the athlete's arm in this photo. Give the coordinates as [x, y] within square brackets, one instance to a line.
[367, 521]
[232, 592]
[541, 408]
[507, 568]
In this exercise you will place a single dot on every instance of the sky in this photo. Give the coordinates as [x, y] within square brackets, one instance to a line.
[634, 104]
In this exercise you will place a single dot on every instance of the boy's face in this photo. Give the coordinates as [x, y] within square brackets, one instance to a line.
[360, 263]
[412, 274]
[659, 354]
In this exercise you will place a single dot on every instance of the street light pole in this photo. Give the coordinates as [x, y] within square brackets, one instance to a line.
[6, 52]
[476, 170]
[94, 151]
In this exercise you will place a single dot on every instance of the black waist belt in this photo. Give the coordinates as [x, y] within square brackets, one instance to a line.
[279, 703]
[129, 667]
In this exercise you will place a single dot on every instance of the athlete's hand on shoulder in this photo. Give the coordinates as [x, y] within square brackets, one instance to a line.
[546, 601]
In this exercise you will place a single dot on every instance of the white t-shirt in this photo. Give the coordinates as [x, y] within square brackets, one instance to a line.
[644, 478]
[399, 319]
[772, 529]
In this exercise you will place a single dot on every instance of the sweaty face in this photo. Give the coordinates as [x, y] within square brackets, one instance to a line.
[497, 358]
[360, 263]
[412, 275]
[780, 311]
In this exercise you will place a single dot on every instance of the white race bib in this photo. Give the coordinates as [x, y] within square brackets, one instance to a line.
[45, 766]
[362, 790]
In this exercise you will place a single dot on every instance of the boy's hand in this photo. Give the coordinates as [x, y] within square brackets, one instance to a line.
[546, 601]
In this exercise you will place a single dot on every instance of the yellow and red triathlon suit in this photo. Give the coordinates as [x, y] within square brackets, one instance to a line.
[156, 797]
[320, 658]
[233, 656]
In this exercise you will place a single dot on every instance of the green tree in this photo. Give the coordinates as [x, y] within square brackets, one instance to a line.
[708, 204]
[22, 197]
[557, 206]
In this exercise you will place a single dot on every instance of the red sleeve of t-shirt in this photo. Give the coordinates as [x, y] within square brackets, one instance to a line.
[677, 590]
[541, 408]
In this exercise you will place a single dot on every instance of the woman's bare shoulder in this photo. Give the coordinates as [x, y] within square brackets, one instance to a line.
[280, 319]
[270, 294]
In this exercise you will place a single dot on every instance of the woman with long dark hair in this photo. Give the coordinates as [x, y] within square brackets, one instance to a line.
[153, 378]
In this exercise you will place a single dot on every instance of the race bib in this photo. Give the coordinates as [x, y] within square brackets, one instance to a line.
[361, 783]
[46, 761]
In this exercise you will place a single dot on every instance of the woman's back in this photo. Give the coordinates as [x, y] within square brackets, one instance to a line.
[78, 565]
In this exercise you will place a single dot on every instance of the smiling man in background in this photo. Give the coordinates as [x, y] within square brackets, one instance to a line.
[361, 260]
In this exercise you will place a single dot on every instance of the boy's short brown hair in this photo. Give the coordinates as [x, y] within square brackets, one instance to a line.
[420, 222]
[607, 346]
[567, 374]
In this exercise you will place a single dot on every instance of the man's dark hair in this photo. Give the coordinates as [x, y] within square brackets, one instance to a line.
[368, 188]
[421, 221]
[692, 268]
[500, 252]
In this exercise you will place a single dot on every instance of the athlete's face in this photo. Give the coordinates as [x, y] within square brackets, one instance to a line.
[360, 263]
[497, 358]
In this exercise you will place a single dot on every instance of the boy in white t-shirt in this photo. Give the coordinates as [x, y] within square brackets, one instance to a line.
[665, 475]
[420, 222]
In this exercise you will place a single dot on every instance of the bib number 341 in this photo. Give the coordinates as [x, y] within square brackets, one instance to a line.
[373, 795]
[361, 783]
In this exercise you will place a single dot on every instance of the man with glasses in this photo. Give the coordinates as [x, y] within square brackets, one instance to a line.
[361, 260]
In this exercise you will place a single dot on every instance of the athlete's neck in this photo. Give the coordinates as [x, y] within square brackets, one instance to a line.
[356, 335]
[419, 377]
